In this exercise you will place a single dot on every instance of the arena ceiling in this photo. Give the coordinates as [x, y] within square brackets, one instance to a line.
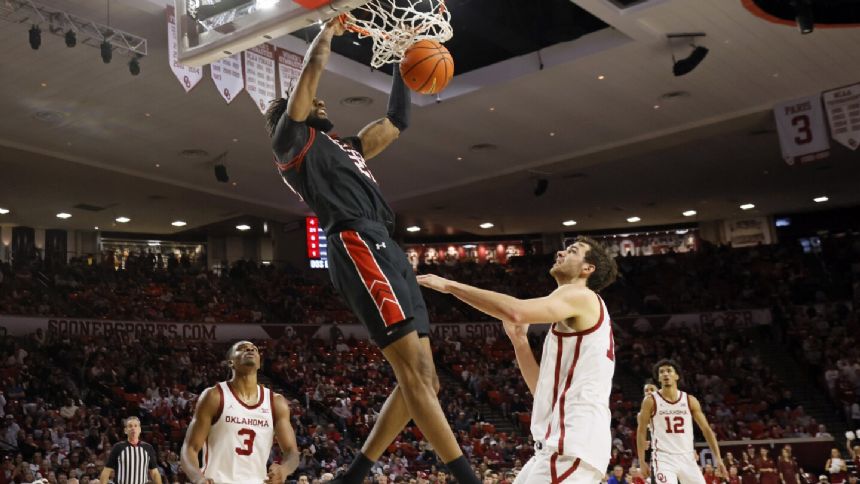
[76, 131]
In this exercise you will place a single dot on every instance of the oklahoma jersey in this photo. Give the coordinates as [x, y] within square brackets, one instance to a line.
[571, 404]
[240, 439]
[672, 425]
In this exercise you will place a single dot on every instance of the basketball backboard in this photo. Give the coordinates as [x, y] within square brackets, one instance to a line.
[209, 30]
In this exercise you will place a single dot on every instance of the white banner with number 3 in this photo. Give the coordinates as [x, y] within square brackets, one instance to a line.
[802, 132]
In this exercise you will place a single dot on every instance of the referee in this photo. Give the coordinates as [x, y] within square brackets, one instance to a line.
[132, 460]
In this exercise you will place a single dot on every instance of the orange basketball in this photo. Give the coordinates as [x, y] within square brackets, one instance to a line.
[427, 67]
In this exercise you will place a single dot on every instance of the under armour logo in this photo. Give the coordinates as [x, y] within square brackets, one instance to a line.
[380, 245]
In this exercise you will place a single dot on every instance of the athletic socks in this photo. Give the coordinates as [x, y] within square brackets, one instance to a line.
[462, 471]
[357, 471]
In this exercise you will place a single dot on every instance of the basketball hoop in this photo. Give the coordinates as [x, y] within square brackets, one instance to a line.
[394, 25]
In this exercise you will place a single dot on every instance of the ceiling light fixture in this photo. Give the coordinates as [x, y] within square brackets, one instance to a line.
[569, 223]
[107, 51]
[689, 213]
[413, 228]
[243, 227]
[64, 215]
[688, 64]
[633, 219]
[820, 199]
[4, 211]
[601, 77]
[178, 223]
[96, 227]
[747, 206]
[487, 225]
[123, 220]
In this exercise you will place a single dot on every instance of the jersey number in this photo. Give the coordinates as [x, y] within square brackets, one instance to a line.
[610, 353]
[802, 124]
[674, 425]
[248, 448]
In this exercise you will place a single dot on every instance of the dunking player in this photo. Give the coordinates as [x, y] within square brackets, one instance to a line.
[669, 414]
[366, 266]
[571, 386]
[234, 425]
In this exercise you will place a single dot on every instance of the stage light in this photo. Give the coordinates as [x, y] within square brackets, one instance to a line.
[134, 66]
[107, 52]
[35, 37]
[803, 16]
[71, 38]
[685, 66]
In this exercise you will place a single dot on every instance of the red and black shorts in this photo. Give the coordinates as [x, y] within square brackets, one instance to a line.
[372, 274]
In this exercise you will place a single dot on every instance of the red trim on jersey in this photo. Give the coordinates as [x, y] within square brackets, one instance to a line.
[680, 396]
[272, 403]
[555, 383]
[556, 479]
[261, 397]
[297, 160]
[586, 331]
[378, 287]
[220, 405]
[689, 407]
[564, 394]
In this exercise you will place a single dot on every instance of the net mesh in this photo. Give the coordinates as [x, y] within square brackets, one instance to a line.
[394, 25]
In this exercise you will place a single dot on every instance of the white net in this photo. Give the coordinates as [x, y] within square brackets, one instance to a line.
[394, 25]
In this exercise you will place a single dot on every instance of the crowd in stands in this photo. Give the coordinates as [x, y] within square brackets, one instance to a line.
[63, 398]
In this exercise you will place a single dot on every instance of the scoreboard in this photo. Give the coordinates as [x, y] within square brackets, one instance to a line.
[316, 243]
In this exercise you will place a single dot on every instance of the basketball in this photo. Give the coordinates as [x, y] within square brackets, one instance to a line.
[427, 67]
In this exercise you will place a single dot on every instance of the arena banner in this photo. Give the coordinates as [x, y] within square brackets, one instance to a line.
[188, 76]
[289, 69]
[260, 75]
[83, 327]
[843, 112]
[227, 76]
[802, 132]
[811, 453]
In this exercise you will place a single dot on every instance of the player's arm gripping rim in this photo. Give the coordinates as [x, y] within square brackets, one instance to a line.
[196, 435]
[286, 440]
[565, 302]
[642, 435]
[702, 422]
[519, 336]
[302, 99]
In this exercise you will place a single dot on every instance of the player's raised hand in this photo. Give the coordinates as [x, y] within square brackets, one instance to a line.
[336, 25]
[277, 474]
[517, 333]
[432, 281]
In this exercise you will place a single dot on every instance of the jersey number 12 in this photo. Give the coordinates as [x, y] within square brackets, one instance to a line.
[674, 425]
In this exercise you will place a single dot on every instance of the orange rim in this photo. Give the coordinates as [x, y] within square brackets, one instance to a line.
[760, 13]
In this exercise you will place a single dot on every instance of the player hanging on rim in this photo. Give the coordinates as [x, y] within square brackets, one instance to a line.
[571, 386]
[234, 425]
[669, 414]
[366, 266]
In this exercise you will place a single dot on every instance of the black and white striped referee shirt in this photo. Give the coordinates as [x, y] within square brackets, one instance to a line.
[131, 463]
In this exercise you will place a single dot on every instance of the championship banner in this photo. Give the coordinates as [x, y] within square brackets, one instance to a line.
[843, 112]
[260, 75]
[748, 232]
[188, 76]
[227, 75]
[802, 134]
[289, 69]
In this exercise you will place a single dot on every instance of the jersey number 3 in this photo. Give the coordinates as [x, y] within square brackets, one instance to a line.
[675, 425]
[248, 448]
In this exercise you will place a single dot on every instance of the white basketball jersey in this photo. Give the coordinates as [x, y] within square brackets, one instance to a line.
[571, 402]
[240, 440]
[671, 425]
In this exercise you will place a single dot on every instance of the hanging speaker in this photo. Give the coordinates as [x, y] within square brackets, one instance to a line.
[541, 186]
[221, 174]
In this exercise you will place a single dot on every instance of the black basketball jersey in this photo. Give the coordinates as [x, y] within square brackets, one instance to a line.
[330, 175]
